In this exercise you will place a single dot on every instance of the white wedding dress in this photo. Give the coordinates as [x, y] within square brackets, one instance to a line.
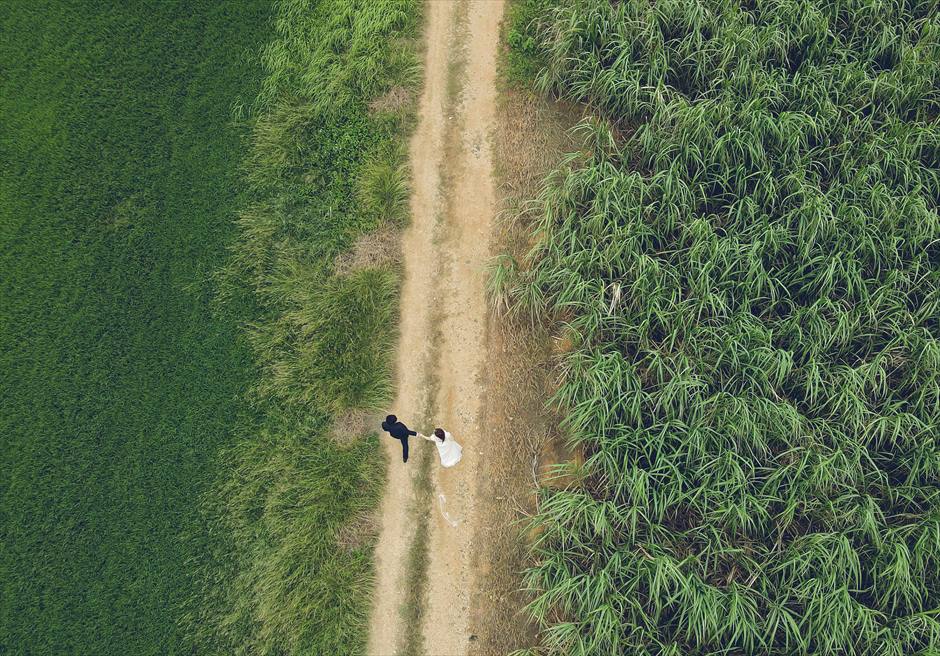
[449, 450]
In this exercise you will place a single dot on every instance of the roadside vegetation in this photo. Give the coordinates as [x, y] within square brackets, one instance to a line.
[291, 567]
[745, 257]
[119, 385]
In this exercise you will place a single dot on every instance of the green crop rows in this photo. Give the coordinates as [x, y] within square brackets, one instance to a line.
[119, 385]
[747, 254]
[176, 181]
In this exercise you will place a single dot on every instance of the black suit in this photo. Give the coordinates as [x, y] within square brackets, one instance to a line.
[400, 432]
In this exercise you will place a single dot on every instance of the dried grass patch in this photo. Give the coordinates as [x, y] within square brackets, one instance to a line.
[393, 101]
[528, 143]
[522, 437]
[372, 250]
[353, 425]
[360, 532]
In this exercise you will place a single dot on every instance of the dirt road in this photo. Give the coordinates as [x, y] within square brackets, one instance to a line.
[443, 328]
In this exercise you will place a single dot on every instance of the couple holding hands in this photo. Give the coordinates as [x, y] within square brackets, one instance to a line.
[449, 451]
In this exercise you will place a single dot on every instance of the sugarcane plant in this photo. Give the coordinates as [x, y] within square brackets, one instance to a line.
[747, 247]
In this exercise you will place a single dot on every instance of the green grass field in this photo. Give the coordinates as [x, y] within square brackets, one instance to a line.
[746, 256]
[174, 344]
[119, 384]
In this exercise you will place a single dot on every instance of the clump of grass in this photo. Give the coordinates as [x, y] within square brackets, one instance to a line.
[746, 250]
[384, 188]
[329, 351]
[323, 169]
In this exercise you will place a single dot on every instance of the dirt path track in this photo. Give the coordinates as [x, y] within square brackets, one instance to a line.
[443, 326]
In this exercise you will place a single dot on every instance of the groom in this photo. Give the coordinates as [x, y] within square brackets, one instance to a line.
[400, 432]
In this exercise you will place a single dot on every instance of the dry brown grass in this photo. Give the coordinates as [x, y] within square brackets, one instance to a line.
[522, 437]
[354, 425]
[373, 250]
[532, 135]
[393, 101]
[360, 532]
[565, 342]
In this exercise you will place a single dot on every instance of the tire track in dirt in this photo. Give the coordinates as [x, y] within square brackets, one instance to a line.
[426, 154]
[443, 326]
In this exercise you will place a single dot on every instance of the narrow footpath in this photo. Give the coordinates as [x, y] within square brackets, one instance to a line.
[442, 348]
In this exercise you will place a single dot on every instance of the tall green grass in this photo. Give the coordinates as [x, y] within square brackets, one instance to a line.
[747, 251]
[291, 569]
[118, 384]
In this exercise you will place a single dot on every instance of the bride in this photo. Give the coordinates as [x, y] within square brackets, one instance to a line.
[447, 448]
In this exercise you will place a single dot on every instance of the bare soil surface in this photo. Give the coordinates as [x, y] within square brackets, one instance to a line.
[443, 347]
